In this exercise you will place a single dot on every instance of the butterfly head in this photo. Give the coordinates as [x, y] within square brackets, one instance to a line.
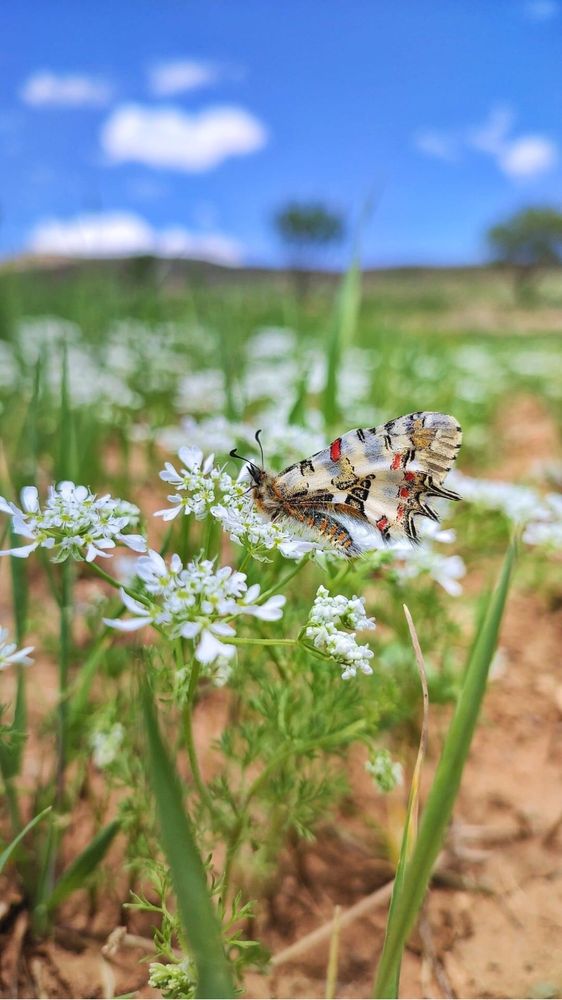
[257, 472]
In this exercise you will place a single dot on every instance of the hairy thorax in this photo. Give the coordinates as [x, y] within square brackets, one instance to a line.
[268, 498]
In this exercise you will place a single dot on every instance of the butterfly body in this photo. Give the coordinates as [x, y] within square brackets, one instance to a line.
[368, 486]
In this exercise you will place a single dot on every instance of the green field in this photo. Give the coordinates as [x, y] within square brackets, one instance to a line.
[106, 371]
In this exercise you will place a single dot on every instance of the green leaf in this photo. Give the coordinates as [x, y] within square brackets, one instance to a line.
[7, 852]
[82, 867]
[199, 920]
[444, 789]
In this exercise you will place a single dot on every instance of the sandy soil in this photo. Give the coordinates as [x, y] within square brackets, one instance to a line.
[492, 923]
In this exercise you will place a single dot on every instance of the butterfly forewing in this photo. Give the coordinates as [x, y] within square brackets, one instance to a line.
[370, 484]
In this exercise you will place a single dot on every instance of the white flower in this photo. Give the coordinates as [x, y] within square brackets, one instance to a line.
[10, 654]
[387, 773]
[73, 523]
[242, 521]
[197, 602]
[195, 484]
[211, 434]
[328, 616]
[445, 570]
[106, 745]
[201, 392]
[546, 528]
[519, 503]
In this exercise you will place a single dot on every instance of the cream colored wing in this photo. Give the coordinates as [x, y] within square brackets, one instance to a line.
[373, 483]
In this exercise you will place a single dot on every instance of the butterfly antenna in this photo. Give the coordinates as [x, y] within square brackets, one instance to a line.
[248, 461]
[261, 448]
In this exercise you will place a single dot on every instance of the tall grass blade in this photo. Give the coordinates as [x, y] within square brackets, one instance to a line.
[66, 464]
[444, 788]
[411, 821]
[8, 851]
[344, 321]
[82, 867]
[199, 921]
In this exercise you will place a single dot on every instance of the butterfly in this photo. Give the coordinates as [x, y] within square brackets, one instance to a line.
[368, 485]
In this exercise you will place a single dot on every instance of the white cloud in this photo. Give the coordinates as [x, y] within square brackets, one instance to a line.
[70, 90]
[528, 156]
[521, 157]
[441, 145]
[491, 136]
[541, 10]
[178, 75]
[169, 138]
[123, 234]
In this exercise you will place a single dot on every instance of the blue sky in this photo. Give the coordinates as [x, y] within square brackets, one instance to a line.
[180, 127]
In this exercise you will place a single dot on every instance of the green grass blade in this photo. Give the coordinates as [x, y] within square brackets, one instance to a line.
[199, 921]
[344, 321]
[66, 464]
[83, 866]
[20, 590]
[444, 788]
[411, 821]
[8, 851]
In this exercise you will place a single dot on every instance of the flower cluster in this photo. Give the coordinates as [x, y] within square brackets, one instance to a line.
[202, 488]
[245, 525]
[540, 516]
[328, 619]
[196, 602]
[74, 523]
[386, 772]
[195, 484]
[10, 654]
[174, 980]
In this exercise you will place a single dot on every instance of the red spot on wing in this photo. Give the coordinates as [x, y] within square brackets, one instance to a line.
[335, 450]
[382, 523]
[405, 491]
[409, 476]
[396, 461]
[400, 511]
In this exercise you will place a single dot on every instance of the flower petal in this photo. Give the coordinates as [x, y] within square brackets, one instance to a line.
[20, 553]
[127, 624]
[222, 628]
[209, 648]
[191, 457]
[30, 499]
[168, 514]
[190, 629]
[133, 605]
[135, 542]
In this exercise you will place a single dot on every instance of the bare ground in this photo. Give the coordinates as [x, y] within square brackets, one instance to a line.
[492, 922]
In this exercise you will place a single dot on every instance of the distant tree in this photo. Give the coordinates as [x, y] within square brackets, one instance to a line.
[307, 229]
[528, 241]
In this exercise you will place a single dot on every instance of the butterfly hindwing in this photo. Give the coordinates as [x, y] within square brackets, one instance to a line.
[372, 483]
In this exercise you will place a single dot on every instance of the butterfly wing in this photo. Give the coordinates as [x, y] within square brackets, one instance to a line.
[370, 484]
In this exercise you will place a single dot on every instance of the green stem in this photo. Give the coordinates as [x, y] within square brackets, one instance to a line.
[117, 585]
[244, 562]
[66, 610]
[13, 806]
[277, 587]
[166, 541]
[235, 641]
[188, 727]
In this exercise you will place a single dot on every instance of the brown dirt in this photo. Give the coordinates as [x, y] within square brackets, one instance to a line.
[491, 925]
[492, 921]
